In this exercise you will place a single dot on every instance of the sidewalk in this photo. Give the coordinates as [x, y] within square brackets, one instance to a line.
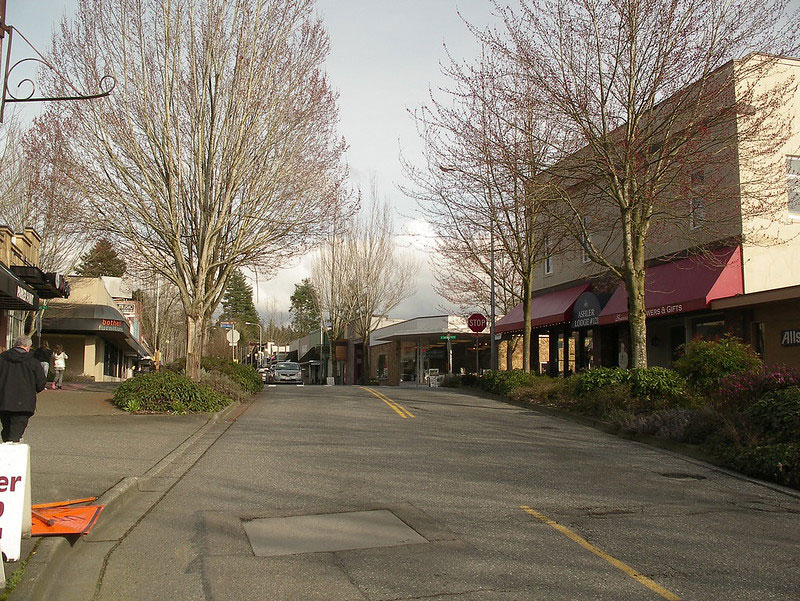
[83, 446]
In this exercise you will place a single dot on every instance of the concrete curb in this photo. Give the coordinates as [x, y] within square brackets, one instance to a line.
[51, 553]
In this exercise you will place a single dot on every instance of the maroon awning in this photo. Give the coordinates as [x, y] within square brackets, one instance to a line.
[548, 309]
[682, 286]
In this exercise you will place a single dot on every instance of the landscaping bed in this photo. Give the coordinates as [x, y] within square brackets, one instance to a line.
[169, 391]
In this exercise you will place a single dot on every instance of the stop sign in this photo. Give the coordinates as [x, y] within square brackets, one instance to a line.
[476, 322]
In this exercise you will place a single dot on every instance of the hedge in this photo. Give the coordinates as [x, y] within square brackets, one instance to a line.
[166, 391]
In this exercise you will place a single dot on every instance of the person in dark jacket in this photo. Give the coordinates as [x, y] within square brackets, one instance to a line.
[21, 378]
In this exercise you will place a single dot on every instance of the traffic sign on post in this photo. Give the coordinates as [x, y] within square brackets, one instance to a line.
[476, 322]
[226, 325]
[233, 337]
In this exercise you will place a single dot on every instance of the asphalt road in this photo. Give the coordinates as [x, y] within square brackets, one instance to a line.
[489, 501]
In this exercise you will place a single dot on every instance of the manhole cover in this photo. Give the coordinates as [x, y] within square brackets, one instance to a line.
[328, 532]
[682, 476]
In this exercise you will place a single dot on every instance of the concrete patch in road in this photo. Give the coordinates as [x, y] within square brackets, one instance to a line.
[328, 532]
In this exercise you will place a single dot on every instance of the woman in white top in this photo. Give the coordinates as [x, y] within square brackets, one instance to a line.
[59, 365]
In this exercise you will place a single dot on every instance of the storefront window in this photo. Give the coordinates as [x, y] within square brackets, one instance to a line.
[16, 326]
[709, 328]
[408, 361]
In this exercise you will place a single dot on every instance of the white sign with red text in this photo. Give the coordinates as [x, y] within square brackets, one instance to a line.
[15, 497]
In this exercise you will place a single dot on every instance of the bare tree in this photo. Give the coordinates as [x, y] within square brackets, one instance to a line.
[217, 149]
[380, 277]
[330, 275]
[655, 110]
[486, 146]
[52, 204]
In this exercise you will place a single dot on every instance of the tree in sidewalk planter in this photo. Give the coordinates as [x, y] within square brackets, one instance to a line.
[101, 260]
[217, 149]
[652, 112]
[305, 308]
[481, 189]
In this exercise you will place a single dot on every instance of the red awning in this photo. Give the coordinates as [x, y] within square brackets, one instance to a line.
[546, 310]
[682, 286]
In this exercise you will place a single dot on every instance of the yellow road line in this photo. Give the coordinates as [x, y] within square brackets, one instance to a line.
[641, 578]
[397, 407]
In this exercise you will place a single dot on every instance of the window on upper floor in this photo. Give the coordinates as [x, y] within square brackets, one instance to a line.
[697, 208]
[793, 185]
[548, 256]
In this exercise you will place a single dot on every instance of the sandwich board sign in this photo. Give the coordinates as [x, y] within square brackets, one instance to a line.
[15, 498]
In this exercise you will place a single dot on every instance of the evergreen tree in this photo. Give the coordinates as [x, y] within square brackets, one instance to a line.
[304, 308]
[238, 307]
[101, 259]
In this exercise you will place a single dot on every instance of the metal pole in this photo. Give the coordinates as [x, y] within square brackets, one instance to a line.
[492, 343]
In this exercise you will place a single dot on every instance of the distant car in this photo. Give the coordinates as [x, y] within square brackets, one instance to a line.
[285, 371]
[264, 373]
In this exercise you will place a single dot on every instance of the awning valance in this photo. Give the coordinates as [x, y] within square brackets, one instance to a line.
[682, 286]
[547, 309]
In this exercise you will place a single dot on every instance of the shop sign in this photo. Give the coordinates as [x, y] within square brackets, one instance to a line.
[24, 295]
[790, 338]
[113, 325]
[586, 311]
[665, 310]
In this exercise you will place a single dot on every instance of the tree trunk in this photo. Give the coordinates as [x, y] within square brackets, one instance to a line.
[637, 318]
[194, 345]
[526, 327]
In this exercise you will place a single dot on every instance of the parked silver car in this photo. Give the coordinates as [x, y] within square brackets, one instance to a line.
[285, 371]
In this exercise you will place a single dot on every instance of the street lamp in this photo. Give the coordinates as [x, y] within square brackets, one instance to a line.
[260, 330]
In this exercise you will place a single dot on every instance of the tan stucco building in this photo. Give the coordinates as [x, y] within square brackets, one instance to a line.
[723, 252]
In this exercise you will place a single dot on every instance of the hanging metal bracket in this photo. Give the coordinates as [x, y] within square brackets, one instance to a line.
[105, 85]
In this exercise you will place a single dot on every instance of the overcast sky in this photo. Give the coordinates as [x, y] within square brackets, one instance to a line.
[385, 56]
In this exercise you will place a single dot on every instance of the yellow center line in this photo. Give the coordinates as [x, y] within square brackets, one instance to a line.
[397, 407]
[641, 578]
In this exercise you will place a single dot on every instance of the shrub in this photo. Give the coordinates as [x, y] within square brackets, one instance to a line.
[658, 384]
[705, 363]
[776, 462]
[471, 380]
[167, 392]
[648, 389]
[451, 381]
[224, 385]
[742, 389]
[777, 414]
[503, 382]
[593, 379]
[602, 402]
[543, 389]
[245, 375]
[684, 425]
